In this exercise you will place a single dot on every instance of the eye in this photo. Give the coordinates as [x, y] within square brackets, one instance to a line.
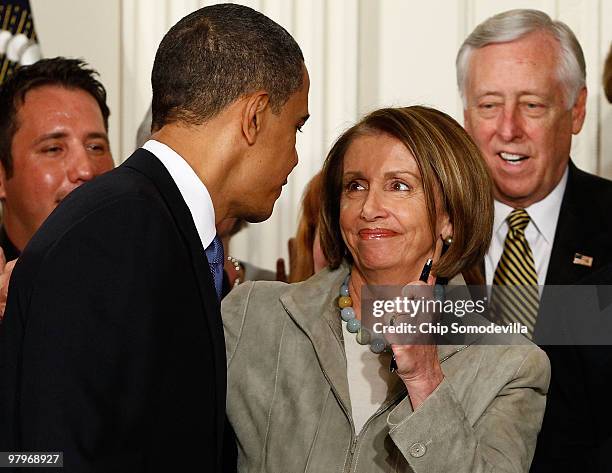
[299, 128]
[488, 109]
[52, 149]
[97, 148]
[354, 186]
[534, 109]
[400, 186]
[488, 105]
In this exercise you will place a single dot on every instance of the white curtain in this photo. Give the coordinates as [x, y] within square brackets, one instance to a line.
[327, 33]
[364, 54]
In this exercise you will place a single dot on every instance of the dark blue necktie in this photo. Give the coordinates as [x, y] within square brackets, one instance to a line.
[214, 254]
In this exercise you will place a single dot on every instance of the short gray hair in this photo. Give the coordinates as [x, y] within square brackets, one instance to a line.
[515, 24]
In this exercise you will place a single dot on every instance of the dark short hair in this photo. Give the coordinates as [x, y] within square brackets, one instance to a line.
[218, 54]
[59, 71]
[450, 164]
[607, 76]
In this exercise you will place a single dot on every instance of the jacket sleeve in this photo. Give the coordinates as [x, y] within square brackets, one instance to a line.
[438, 436]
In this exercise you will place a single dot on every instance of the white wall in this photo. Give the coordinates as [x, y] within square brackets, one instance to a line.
[362, 54]
[90, 30]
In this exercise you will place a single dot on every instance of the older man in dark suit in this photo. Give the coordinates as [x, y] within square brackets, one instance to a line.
[522, 80]
[112, 348]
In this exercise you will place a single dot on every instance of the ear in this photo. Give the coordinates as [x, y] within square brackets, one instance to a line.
[252, 115]
[2, 182]
[466, 121]
[445, 227]
[579, 111]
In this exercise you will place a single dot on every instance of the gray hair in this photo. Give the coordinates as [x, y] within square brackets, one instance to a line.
[515, 24]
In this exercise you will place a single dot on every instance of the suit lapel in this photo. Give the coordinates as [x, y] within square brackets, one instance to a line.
[560, 268]
[313, 308]
[578, 231]
[146, 163]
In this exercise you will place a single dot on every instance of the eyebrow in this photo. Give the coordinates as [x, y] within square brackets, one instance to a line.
[50, 136]
[487, 93]
[401, 171]
[388, 174]
[97, 134]
[62, 134]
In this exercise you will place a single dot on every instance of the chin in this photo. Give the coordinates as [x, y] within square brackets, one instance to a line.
[378, 264]
[258, 215]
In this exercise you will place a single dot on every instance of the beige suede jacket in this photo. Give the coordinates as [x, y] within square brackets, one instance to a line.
[288, 396]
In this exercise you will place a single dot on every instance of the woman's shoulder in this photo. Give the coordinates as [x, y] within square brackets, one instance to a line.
[268, 293]
[255, 298]
[270, 298]
[257, 311]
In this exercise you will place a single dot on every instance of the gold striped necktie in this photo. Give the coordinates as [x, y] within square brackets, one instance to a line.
[514, 296]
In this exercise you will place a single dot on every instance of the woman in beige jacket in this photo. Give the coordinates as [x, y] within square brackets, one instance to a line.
[308, 387]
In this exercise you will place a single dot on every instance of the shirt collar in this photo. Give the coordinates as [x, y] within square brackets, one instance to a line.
[190, 186]
[544, 214]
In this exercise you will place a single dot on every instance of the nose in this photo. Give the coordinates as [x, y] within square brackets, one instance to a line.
[373, 206]
[509, 127]
[80, 166]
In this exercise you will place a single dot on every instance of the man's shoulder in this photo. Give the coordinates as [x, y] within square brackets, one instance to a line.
[114, 207]
[587, 184]
[587, 199]
[133, 181]
[119, 191]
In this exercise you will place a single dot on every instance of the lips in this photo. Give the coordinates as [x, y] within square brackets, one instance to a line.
[376, 233]
[512, 158]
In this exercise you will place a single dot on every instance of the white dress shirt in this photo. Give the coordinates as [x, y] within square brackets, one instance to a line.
[540, 231]
[190, 186]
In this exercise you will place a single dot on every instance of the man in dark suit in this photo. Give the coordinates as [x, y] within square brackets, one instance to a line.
[112, 347]
[522, 80]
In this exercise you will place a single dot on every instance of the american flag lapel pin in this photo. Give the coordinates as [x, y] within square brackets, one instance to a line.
[583, 260]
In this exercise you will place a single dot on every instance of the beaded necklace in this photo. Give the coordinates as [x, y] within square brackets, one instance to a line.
[353, 324]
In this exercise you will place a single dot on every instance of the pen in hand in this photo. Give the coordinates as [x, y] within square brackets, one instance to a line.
[424, 277]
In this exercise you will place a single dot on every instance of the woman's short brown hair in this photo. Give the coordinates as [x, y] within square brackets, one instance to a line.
[449, 162]
[303, 267]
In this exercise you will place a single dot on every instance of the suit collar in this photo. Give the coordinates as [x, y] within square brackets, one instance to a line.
[192, 189]
[544, 214]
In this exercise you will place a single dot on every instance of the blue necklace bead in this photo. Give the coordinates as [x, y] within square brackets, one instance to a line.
[378, 345]
[347, 314]
[353, 325]
[363, 336]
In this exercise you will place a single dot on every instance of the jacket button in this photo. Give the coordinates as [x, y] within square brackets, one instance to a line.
[417, 450]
